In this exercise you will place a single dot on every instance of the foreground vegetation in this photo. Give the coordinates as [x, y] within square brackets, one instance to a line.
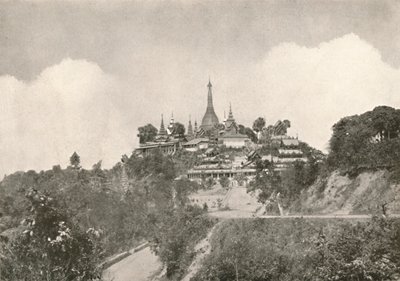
[73, 218]
[301, 249]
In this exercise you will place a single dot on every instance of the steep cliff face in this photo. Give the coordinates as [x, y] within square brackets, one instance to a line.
[369, 192]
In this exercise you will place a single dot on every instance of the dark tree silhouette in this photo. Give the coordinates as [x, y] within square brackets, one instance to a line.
[75, 160]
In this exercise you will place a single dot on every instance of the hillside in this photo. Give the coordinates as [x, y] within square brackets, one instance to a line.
[341, 194]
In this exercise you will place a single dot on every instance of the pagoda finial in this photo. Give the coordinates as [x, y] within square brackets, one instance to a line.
[230, 115]
[190, 128]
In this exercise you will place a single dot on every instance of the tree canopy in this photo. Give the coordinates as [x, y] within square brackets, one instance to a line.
[147, 133]
[366, 141]
[75, 160]
[259, 124]
[179, 129]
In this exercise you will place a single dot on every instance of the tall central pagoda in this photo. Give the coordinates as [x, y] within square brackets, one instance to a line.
[210, 119]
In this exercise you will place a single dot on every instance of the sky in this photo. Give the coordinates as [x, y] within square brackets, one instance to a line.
[84, 75]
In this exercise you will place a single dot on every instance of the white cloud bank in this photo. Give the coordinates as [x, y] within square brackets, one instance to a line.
[315, 87]
[74, 106]
[68, 107]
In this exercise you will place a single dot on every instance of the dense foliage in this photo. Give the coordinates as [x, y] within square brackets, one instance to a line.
[92, 198]
[147, 133]
[303, 250]
[287, 184]
[138, 199]
[367, 141]
[51, 247]
[175, 236]
[267, 132]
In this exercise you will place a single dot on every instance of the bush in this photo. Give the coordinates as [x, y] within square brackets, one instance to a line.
[208, 182]
[177, 234]
[297, 249]
[51, 247]
[224, 181]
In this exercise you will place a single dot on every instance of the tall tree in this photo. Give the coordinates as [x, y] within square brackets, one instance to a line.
[147, 133]
[75, 160]
[179, 129]
[259, 124]
[386, 121]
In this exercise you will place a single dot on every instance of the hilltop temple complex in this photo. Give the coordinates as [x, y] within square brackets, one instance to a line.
[210, 131]
[212, 134]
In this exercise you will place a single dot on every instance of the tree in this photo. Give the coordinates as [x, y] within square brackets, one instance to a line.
[386, 121]
[75, 160]
[250, 133]
[147, 133]
[240, 178]
[281, 127]
[51, 247]
[179, 129]
[259, 124]
[242, 129]
[176, 235]
[366, 141]
[208, 182]
[224, 181]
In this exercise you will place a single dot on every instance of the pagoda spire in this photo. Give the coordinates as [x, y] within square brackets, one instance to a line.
[162, 130]
[210, 98]
[210, 119]
[190, 128]
[230, 116]
[231, 120]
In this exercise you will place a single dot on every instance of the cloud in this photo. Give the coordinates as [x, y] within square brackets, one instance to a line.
[315, 87]
[68, 107]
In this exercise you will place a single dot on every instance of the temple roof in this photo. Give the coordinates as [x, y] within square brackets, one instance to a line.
[290, 142]
[196, 141]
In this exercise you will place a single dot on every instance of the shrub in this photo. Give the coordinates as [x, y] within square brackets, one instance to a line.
[51, 247]
[224, 181]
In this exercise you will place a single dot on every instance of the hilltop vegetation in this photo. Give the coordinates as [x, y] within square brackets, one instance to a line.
[362, 170]
[368, 141]
[360, 145]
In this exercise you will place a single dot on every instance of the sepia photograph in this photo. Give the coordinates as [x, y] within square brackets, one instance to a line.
[199, 140]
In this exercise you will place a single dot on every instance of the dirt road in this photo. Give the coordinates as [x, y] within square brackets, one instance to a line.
[137, 267]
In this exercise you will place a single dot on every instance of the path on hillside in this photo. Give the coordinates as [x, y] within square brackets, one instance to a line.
[236, 214]
[139, 266]
[202, 249]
